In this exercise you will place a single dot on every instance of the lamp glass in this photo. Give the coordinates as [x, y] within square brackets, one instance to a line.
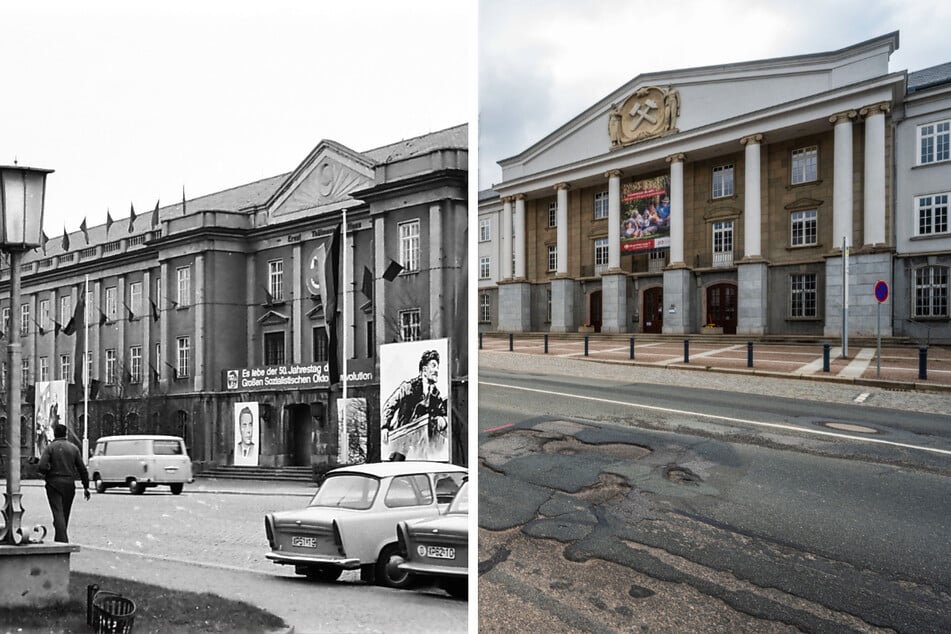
[22, 192]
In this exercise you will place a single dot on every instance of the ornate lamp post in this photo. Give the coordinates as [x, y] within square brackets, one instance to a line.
[22, 193]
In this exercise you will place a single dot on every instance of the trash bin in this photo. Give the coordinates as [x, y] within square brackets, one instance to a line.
[108, 612]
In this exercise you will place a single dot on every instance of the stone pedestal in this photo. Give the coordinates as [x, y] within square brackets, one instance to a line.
[751, 279]
[864, 271]
[34, 575]
[678, 294]
[515, 313]
[563, 305]
[614, 303]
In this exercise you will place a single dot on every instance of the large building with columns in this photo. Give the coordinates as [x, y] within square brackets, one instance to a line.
[188, 299]
[727, 197]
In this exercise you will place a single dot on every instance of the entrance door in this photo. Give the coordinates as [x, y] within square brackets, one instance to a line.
[302, 435]
[653, 313]
[594, 310]
[721, 307]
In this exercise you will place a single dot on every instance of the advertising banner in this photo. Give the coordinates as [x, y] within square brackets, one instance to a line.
[291, 377]
[414, 395]
[247, 434]
[352, 431]
[50, 408]
[645, 215]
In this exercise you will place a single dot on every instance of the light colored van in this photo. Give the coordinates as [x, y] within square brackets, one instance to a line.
[139, 462]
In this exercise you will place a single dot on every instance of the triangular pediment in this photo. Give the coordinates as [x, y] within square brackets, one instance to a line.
[273, 318]
[322, 182]
[803, 203]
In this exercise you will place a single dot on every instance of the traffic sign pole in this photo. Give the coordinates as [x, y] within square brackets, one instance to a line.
[881, 294]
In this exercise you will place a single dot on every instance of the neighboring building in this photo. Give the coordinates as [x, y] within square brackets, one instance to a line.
[923, 186]
[229, 281]
[734, 187]
[489, 262]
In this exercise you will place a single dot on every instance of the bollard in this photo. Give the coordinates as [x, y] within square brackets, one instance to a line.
[686, 351]
[546, 344]
[825, 357]
[480, 341]
[749, 354]
[632, 348]
[511, 342]
[923, 363]
[586, 345]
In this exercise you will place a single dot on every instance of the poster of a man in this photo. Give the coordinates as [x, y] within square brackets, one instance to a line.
[414, 417]
[246, 434]
[50, 408]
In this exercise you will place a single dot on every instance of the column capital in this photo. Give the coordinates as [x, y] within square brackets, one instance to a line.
[676, 158]
[613, 174]
[518, 197]
[561, 186]
[506, 199]
[877, 108]
[753, 138]
[843, 117]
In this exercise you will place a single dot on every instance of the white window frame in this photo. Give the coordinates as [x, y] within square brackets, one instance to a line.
[485, 230]
[135, 364]
[44, 314]
[553, 214]
[552, 258]
[409, 245]
[930, 292]
[275, 279]
[804, 165]
[485, 307]
[601, 255]
[111, 366]
[135, 298]
[485, 269]
[65, 367]
[112, 304]
[183, 276]
[24, 319]
[804, 228]
[934, 142]
[24, 371]
[931, 214]
[723, 181]
[803, 296]
[723, 243]
[410, 329]
[184, 350]
[5, 319]
[44, 369]
[601, 205]
[65, 309]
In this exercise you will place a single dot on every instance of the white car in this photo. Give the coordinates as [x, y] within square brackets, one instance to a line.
[140, 462]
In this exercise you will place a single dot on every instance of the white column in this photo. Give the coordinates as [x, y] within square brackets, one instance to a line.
[614, 219]
[562, 220]
[752, 209]
[505, 232]
[437, 301]
[519, 237]
[147, 322]
[842, 179]
[198, 324]
[874, 214]
[676, 208]
[297, 305]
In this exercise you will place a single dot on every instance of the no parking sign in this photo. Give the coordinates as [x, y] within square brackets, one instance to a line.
[881, 291]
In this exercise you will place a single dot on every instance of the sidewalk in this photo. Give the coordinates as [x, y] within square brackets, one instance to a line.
[899, 365]
[228, 486]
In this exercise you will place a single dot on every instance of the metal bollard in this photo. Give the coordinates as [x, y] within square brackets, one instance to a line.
[511, 342]
[923, 362]
[686, 351]
[546, 344]
[586, 345]
[632, 348]
[749, 354]
[825, 357]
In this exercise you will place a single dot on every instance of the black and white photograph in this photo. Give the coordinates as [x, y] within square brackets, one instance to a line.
[246, 434]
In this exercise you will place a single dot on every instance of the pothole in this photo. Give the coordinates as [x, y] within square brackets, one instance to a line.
[849, 427]
[681, 475]
[608, 487]
[571, 446]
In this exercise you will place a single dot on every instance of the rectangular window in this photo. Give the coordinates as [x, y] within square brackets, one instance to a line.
[484, 307]
[485, 230]
[24, 319]
[934, 142]
[135, 298]
[184, 356]
[6, 319]
[112, 307]
[657, 260]
[723, 181]
[320, 345]
[409, 325]
[274, 348]
[409, 245]
[803, 228]
[932, 214]
[44, 369]
[65, 309]
[65, 368]
[135, 364]
[805, 165]
[600, 205]
[803, 301]
[275, 280]
[931, 291]
[552, 258]
[44, 314]
[183, 275]
[600, 255]
[484, 268]
[723, 243]
[110, 366]
[553, 214]
[158, 291]
[24, 371]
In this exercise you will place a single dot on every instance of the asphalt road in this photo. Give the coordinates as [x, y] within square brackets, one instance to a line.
[621, 505]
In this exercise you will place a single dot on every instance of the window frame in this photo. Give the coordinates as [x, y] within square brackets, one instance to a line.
[799, 283]
[111, 360]
[183, 356]
[485, 229]
[183, 282]
[801, 160]
[24, 319]
[485, 270]
[724, 176]
[552, 214]
[112, 302]
[409, 233]
[135, 364]
[933, 205]
[485, 308]
[602, 251]
[802, 217]
[44, 369]
[942, 285]
[552, 258]
[410, 324]
[601, 205]
[135, 298]
[268, 339]
[940, 139]
[275, 279]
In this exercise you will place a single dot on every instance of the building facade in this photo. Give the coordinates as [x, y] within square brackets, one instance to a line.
[216, 301]
[490, 259]
[728, 197]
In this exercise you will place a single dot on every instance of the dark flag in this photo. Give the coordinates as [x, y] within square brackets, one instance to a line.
[77, 324]
[109, 222]
[174, 370]
[367, 287]
[392, 271]
[40, 329]
[155, 215]
[44, 239]
[268, 298]
[155, 314]
[131, 314]
[82, 227]
[183, 200]
[155, 374]
[131, 217]
[56, 327]
[65, 240]
[103, 320]
[324, 280]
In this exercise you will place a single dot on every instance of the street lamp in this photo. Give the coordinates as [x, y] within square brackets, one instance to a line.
[22, 193]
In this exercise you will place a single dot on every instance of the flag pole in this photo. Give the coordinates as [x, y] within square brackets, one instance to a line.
[346, 327]
[86, 373]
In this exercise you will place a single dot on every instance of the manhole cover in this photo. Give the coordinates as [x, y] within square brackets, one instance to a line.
[856, 429]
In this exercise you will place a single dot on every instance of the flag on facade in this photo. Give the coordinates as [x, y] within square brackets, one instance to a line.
[174, 370]
[103, 320]
[56, 327]
[40, 329]
[129, 310]
[367, 287]
[65, 240]
[155, 314]
[392, 270]
[82, 227]
[77, 321]
[183, 200]
[155, 374]
[131, 217]
[77, 324]
[155, 215]
[323, 280]
[109, 222]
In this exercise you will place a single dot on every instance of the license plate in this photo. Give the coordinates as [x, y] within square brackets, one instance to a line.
[440, 552]
[303, 542]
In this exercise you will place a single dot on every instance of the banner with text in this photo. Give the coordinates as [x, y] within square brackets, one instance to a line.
[290, 377]
[645, 215]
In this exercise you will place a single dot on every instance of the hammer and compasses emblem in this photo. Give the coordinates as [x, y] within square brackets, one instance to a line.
[649, 112]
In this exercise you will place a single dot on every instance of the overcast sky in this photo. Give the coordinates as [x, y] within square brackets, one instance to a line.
[540, 64]
[129, 102]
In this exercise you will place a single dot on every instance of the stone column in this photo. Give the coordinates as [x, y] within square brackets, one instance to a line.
[752, 270]
[297, 304]
[842, 180]
[614, 219]
[505, 233]
[752, 212]
[515, 295]
[199, 322]
[676, 210]
[562, 193]
[437, 263]
[146, 341]
[874, 214]
[519, 237]
[614, 280]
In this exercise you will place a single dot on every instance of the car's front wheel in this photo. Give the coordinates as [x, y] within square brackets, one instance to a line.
[100, 485]
[135, 488]
[176, 488]
[324, 574]
[388, 572]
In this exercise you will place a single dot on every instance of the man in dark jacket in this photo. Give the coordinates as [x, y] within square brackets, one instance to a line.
[61, 463]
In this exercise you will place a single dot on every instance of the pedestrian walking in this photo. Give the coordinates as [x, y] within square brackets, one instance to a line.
[61, 463]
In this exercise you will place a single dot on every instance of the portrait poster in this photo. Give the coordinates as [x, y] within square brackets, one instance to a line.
[645, 215]
[352, 431]
[247, 434]
[414, 400]
[49, 409]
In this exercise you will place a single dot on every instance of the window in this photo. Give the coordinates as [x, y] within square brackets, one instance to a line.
[934, 141]
[65, 368]
[553, 213]
[931, 291]
[484, 268]
[158, 356]
[184, 285]
[184, 356]
[135, 298]
[112, 307]
[723, 243]
[158, 290]
[65, 310]
[44, 314]
[552, 258]
[485, 230]
[409, 325]
[803, 300]
[600, 255]
[600, 205]
[409, 245]
[805, 165]
[320, 345]
[275, 280]
[484, 307]
[723, 181]
[932, 214]
[24, 371]
[803, 228]
[44, 369]
[110, 366]
[409, 490]
[274, 348]
[24, 319]
[135, 364]
[6, 319]
[657, 260]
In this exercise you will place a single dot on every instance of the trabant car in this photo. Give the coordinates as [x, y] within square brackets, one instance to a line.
[139, 462]
[439, 547]
[351, 521]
